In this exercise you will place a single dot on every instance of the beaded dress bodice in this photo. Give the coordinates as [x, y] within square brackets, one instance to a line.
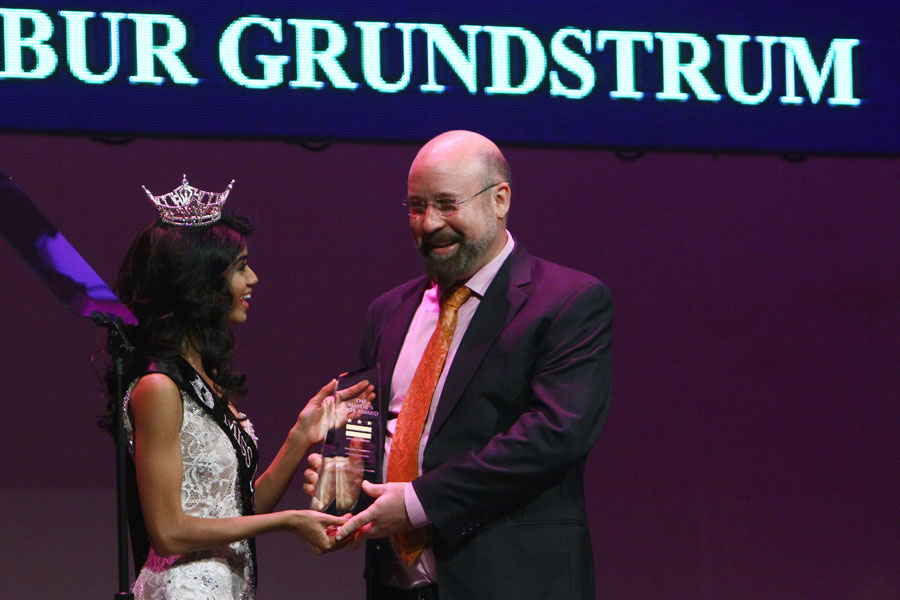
[209, 489]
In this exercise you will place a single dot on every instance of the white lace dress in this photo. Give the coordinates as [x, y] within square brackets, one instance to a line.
[209, 489]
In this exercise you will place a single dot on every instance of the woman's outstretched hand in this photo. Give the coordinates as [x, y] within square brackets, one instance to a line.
[313, 421]
[325, 410]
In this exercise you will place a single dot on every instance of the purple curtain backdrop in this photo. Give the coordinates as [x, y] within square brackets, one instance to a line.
[752, 445]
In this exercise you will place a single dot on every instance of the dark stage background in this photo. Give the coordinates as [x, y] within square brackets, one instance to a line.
[752, 445]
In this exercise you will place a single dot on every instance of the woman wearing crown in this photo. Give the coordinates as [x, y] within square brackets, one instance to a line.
[187, 280]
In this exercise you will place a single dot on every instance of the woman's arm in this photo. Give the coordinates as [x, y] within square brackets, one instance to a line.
[308, 430]
[156, 412]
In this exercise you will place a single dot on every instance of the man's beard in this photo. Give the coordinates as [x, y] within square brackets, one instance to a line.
[445, 270]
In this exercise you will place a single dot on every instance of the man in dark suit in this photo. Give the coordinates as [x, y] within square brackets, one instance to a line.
[494, 505]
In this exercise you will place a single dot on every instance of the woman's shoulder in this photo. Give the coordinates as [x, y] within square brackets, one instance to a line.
[155, 384]
[155, 397]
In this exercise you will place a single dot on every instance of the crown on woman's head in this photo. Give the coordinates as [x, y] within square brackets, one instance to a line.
[187, 206]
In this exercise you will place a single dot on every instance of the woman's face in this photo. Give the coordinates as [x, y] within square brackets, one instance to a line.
[241, 279]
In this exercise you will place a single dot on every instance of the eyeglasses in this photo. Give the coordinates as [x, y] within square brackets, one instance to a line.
[445, 207]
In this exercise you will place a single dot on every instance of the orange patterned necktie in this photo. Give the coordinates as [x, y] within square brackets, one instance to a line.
[403, 461]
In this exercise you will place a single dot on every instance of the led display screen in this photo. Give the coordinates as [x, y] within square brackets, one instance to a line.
[743, 75]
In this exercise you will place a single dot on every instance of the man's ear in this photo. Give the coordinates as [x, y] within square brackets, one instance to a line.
[501, 200]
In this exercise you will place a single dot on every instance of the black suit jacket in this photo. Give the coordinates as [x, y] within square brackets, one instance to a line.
[524, 400]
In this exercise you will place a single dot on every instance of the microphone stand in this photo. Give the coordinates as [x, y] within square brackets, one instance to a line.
[81, 291]
[118, 347]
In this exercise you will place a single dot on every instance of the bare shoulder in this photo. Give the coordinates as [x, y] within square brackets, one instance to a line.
[156, 401]
[155, 387]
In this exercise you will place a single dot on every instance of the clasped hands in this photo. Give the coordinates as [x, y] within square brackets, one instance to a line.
[384, 517]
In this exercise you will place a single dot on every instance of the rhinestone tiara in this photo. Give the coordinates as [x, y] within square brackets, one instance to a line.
[187, 206]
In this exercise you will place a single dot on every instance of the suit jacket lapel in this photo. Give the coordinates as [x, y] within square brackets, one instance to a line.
[393, 332]
[502, 300]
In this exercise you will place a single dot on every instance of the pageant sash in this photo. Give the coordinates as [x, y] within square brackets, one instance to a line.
[244, 446]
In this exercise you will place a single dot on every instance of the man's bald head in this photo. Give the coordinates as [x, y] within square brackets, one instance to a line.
[460, 146]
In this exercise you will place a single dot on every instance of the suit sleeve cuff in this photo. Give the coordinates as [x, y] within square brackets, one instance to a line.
[414, 509]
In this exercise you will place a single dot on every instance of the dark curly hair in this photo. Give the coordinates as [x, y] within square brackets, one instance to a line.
[173, 280]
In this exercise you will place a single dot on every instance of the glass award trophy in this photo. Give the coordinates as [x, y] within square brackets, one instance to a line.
[351, 451]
